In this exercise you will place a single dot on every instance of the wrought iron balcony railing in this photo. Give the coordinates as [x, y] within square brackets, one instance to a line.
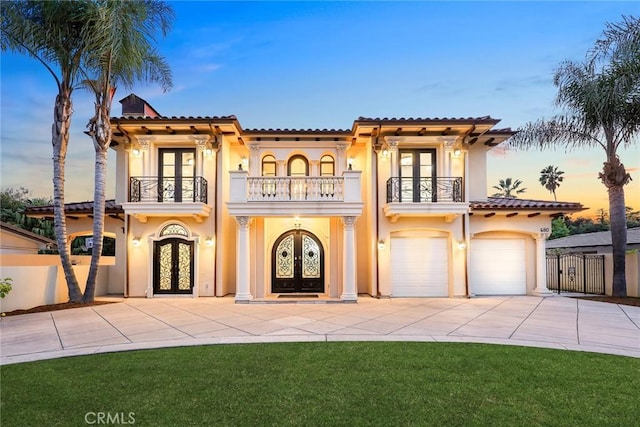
[424, 190]
[167, 189]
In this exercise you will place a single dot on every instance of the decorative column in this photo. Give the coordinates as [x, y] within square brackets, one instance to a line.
[243, 260]
[349, 291]
[341, 158]
[541, 266]
[255, 165]
[393, 153]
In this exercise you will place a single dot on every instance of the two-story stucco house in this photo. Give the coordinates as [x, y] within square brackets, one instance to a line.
[390, 207]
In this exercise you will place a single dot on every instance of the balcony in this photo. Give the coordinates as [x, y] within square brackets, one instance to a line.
[167, 196]
[440, 196]
[286, 195]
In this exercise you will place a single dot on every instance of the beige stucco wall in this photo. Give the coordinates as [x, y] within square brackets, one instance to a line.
[477, 182]
[39, 279]
[632, 268]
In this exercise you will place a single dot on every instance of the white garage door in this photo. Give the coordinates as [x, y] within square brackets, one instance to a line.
[419, 267]
[498, 267]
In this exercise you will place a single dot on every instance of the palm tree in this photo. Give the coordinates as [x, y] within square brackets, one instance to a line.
[54, 34]
[600, 107]
[550, 178]
[508, 188]
[122, 53]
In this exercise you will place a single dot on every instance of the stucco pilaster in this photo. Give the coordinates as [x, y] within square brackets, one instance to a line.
[541, 265]
[349, 292]
[243, 257]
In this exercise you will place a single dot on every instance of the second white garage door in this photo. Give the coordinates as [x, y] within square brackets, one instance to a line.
[498, 267]
[419, 267]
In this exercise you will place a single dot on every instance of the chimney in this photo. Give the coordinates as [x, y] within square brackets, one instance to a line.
[134, 106]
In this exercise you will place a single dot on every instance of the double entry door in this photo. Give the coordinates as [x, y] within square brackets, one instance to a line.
[173, 266]
[297, 263]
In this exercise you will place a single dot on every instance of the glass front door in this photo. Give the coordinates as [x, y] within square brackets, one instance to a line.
[297, 263]
[173, 267]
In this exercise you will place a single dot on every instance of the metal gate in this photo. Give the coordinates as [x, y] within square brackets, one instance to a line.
[576, 273]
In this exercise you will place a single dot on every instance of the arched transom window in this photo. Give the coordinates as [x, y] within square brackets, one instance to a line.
[174, 230]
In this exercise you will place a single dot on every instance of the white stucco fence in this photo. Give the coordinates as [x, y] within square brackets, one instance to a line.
[39, 279]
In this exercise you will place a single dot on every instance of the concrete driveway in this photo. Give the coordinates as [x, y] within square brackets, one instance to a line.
[552, 322]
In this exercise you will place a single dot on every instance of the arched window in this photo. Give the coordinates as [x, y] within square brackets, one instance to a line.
[298, 166]
[327, 166]
[268, 169]
[174, 230]
[268, 165]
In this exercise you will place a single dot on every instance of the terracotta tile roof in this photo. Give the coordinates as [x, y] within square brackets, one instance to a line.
[298, 131]
[600, 238]
[78, 208]
[173, 118]
[429, 119]
[501, 203]
[26, 233]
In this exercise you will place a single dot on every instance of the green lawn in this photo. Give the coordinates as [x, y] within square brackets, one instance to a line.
[354, 383]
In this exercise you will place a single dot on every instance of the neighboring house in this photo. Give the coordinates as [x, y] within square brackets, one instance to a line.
[593, 243]
[389, 207]
[15, 240]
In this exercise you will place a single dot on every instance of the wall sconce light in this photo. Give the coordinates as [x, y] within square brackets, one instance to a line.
[136, 152]
[385, 153]
[136, 241]
[462, 245]
[456, 152]
[350, 163]
[208, 152]
[380, 244]
[209, 241]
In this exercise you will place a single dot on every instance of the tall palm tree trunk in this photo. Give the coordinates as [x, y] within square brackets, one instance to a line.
[100, 132]
[615, 177]
[618, 222]
[60, 139]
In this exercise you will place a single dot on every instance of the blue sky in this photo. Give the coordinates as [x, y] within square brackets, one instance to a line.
[323, 64]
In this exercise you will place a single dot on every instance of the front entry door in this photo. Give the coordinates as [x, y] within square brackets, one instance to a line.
[297, 263]
[173, 267]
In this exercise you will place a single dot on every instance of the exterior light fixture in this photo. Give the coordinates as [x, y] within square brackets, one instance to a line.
[208, 152]
[456, 152]
[462, 245]
[209, 241]
[350, 163]
[380, 244]
[136, 152]
[297, 223]
[136, 241]
[385, 153]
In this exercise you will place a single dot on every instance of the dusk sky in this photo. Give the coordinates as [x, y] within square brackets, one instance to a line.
[322, 65]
